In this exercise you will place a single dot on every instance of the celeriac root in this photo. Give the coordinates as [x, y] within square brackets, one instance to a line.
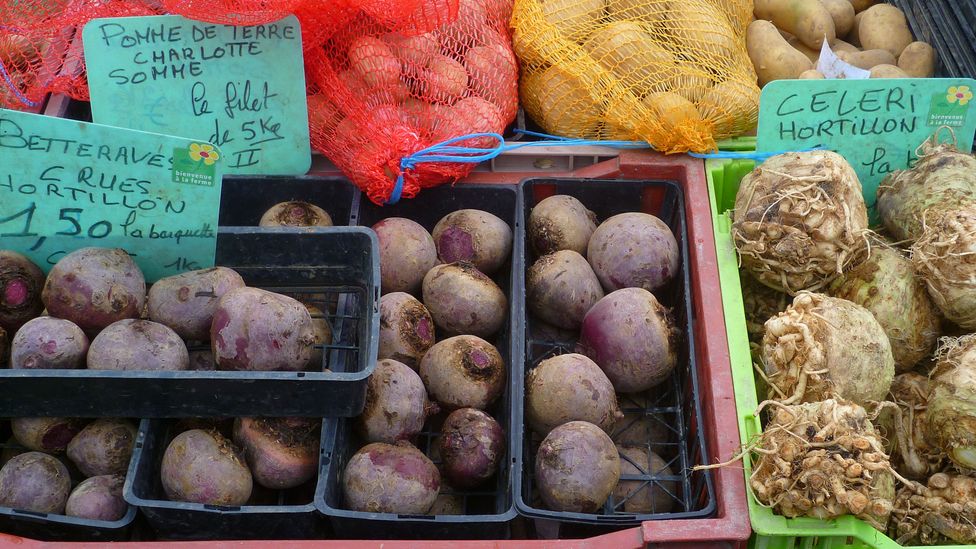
[943, 511]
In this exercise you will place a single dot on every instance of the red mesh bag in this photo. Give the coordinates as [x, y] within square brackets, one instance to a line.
[235, 12]
[382, 86]
[39, 52]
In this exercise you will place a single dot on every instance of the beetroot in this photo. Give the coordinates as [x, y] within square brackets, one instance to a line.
[474, 236]
[21, 282]
[633, 250]
[137, 345]
[406, 329]
[256, 329]
[94, 287]
[576, 468]
[560, 288]
[463, 372]
[407, 252]
[322, 334]
[447, 503]
[637, 427]
[46, 434]
[98, 498]
[396, 404]
[567, 388]
[462, 300]
[204, 467]
[472, 444]
[48, 343]
[644, 496]
[281, 452]
[386, 478]
[34, 482]
[186, 302]
[103, 447]
[295, 213]
[560, 222]
[4, 348]
[201, 360]
[629, 335]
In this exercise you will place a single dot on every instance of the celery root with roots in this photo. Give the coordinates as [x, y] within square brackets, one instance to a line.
[945, 258]
[904, 428]
[952, 402]
[943, 511]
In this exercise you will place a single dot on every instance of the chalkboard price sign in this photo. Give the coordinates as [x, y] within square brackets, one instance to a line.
[876, 124]
[66, 185]
[240, 88]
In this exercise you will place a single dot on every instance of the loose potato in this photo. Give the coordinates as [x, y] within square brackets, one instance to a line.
[811, 75]
[917, 60]
[868, 58]
[561, 103]
[625, 49]
[808, 20]
[884, 27]
[854, 36]
[842, 12]
[888, 71]
[812, 54]
[861, 5]
[772, 55]
[840, 45]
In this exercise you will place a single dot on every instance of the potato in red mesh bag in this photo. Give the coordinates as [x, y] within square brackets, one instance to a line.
[380, 91]
[234, 12]
[29, 66]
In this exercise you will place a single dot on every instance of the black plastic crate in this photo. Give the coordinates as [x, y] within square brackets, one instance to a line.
[944, 25]
[51, 527]
[335, 268]
[281, 514]
[676, 402]
[490, 510]
[243, 200]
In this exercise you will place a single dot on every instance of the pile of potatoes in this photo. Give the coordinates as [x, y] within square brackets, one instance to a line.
[785, 40]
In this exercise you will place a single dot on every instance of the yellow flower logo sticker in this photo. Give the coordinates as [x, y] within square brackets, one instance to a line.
[208, 155]
[959, 94]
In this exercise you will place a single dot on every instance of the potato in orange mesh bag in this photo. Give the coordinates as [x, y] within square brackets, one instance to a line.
[637, 69]
[381, 91]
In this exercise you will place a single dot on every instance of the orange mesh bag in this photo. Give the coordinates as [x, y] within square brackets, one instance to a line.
[382, 89]
[673, 73]
[37, 55]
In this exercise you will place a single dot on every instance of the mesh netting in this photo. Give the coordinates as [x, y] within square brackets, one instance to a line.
[233, 12]
[382, 87]
[672, 73]
[38, 55]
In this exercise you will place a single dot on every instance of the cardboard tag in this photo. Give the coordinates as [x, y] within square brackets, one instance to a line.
[875, 124]
[832, 66]
[66, 185]
[240, 88]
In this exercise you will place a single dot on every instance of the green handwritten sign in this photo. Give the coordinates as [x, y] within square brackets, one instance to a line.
[66, 184]
[875, 124]
[240, 88]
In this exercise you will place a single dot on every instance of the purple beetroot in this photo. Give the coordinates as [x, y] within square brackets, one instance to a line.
[49, 343]
[35, 482]
[258, 330]
[98, 498]
[103, 447]
[396, 404]
[94, 287]
[560, 288]
[560, 222]
[21, 282]
[282, 452]
[186, 302]
[471, 445]
[386, 478]
[46, 434]
[576, 468]
[633, 250]
[640, 496]
[138, 345]
[475, 236]
[406, 329]
[566, 388]
[462, 300]
[407, 252]
[204, 467]
[629, 335]
[463, 372]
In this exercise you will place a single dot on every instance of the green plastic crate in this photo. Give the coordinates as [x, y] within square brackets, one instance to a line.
[771, 531]
[741, 143]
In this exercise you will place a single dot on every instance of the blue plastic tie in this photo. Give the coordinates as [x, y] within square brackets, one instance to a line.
[446, 152]
[6, 76]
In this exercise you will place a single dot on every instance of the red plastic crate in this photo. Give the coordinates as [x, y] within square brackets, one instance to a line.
[730, 526]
